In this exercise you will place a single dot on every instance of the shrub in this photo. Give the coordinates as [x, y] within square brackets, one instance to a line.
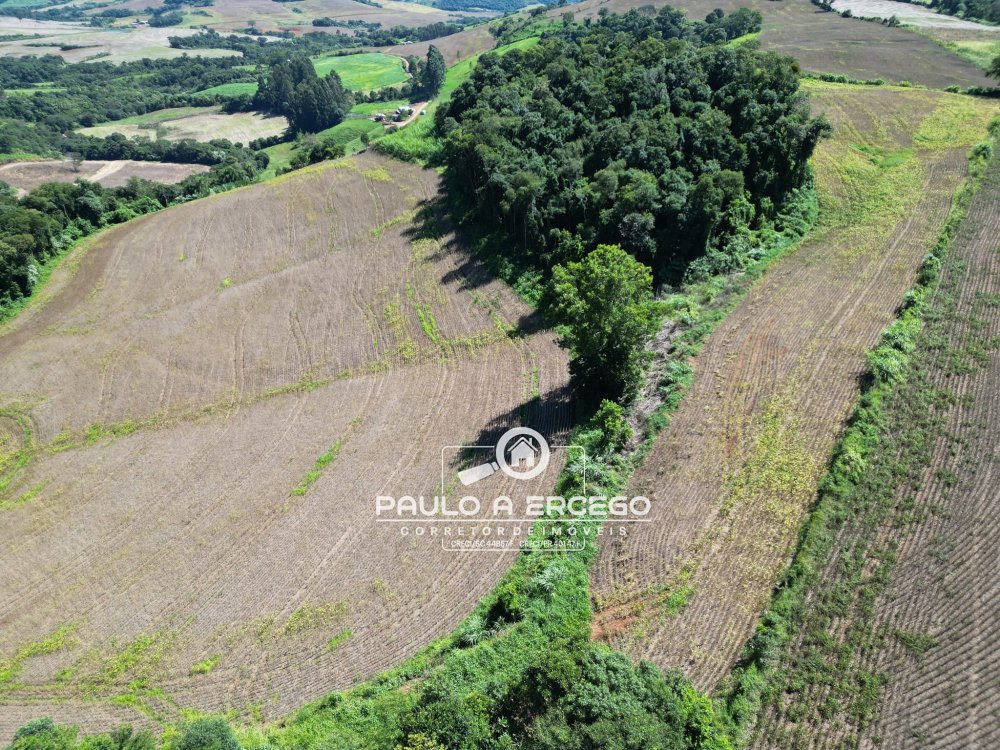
[209, 734]
[43, 734]
[610, 418]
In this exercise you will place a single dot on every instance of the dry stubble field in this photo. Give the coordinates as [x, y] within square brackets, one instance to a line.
[826, 43]
[732, 476]
[85, 42]
[195, 418]
[946, 585]
[27, 175]
[454, 47]
[903, 612]
[228, 15]
[202, 124]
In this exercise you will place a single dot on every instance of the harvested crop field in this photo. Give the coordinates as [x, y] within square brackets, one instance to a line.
[454, 47]
[946, 585]
[197, 415]
[910, 14]
[733, 474]
[199, 123]
[25, 175]
[228, 15]
[826, 43]
[78, 42]
[905, 601]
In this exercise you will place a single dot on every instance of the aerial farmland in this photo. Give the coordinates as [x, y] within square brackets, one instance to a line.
[473, 376]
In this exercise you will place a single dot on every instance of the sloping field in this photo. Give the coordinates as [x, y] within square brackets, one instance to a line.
[910, 14]
[946, 586]
[454, 47]
[199, 123]
[826, 43]
[736, 469]
[25, 175]
[195, 420]
[895, 646]
[365, 71]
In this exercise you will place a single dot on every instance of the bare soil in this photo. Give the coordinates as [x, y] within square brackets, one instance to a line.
[454, 48]
[733, 474]
[26, 175]
[181, 377]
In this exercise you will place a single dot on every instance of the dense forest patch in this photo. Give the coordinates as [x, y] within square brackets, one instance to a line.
[633, 131]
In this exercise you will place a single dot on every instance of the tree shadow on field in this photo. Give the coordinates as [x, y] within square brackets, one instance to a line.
[434, 220]
[550, 413]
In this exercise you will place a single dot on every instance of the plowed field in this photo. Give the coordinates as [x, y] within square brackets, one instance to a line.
[734, 473]
[197, 415]
[894, 647]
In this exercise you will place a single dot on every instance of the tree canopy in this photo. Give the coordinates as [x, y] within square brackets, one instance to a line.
[633, 131]
[638, 132]
[432, 76]
[311, 104]
[609, 297]
[986, 10]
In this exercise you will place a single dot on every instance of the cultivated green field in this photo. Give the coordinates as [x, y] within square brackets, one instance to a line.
[347, 134]
[232, 89]
[366, 71]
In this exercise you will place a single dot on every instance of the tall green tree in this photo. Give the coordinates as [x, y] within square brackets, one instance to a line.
[606, 301]
[310, 103]
[434, 72]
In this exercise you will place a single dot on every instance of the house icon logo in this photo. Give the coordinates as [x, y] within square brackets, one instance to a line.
[521, 453]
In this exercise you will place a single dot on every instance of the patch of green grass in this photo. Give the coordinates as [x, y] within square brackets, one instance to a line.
[317, 470]
[678, 600]
[370, 109]
[378, 174]
[339, 640]
[206, 665]
[417, 142]
[979, 52]
[16, 458]
[325, 460]
[347, 134]
[917, 644]
[427, 322]
[237, 88]
[311, 616]
[365, 71]
[741, 40]
[57, 640]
